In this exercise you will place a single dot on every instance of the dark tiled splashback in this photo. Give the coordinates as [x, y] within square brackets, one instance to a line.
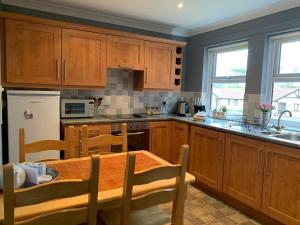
[120, 98]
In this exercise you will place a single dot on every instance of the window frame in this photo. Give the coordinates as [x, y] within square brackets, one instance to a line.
[211, 66]
[274, 75]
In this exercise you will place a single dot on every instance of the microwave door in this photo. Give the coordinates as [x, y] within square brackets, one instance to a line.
[74, 109]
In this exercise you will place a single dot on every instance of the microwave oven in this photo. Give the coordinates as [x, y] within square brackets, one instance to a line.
[75, 108]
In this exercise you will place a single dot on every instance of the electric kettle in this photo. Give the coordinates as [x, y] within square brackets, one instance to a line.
[182, 108]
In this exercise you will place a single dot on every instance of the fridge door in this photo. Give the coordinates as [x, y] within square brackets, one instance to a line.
[38, 113]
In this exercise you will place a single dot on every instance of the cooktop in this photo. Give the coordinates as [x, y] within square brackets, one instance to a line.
[125, 116]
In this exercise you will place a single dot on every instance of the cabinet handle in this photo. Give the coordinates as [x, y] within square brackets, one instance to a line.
[267, 171]
[66, 72]
[58, 69]
[220, 150]
[129, 67]
[146, 75]
[258, 169]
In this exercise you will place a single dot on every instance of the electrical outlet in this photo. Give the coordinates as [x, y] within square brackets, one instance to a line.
[164, 102]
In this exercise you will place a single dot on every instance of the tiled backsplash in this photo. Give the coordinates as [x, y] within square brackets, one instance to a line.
[250, 106]
[120, 98]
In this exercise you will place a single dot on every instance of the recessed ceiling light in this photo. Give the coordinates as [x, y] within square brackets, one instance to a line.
[180, 5]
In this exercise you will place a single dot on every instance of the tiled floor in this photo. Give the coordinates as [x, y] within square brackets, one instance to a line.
[200, 208]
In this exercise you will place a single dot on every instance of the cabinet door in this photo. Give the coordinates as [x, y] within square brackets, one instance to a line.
[126, 53]
[33, 53]
[281, 189]
[206, 158]
[84, 58]
[160, 139]
[159, 65]
[243, 169]
[180, 136]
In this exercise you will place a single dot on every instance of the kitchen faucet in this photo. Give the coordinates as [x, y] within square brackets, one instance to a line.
[279, 127]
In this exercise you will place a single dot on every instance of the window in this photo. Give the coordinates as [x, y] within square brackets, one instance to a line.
[284, 76]
[297, 107]
[281, 107]
[227, 69]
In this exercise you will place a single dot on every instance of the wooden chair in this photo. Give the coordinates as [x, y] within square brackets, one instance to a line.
[50, 191]
[102, 140]
[144, 207]
[68, 146]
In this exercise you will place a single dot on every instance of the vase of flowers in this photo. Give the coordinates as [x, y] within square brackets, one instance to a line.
[266, 109]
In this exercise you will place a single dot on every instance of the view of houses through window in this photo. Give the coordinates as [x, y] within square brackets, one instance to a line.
[284, 75]
[227, 77]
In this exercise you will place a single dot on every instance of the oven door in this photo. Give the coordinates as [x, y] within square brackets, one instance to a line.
[137, 140]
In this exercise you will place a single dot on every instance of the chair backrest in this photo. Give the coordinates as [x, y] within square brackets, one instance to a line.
[68, 146]
[50, 191]
[157, 197]
[102, 140]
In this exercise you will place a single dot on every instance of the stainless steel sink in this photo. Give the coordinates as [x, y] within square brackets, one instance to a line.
[270, 132]
[288, 136]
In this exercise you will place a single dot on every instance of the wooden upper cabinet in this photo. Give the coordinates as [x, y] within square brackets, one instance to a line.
[159, 65]
[180, 136]
[33, 53]
[207, 156]
[125, 53]
[83, 58]
[281, 189]
[160, 139]
[243, 170]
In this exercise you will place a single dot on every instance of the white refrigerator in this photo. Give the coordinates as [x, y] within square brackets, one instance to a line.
[38, 113]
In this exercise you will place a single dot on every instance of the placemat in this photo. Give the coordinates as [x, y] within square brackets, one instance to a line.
[111, 173]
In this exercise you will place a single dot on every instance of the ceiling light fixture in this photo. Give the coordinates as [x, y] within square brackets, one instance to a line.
[180, 5]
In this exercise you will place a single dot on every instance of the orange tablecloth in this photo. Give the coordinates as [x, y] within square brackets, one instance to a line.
[111, 174]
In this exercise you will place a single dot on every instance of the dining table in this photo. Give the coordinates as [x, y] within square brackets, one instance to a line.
[110, 188]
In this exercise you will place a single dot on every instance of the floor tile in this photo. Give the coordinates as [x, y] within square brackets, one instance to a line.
[201, 208]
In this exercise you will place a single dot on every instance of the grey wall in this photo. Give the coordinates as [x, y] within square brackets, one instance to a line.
[255, 31]
[31, 12]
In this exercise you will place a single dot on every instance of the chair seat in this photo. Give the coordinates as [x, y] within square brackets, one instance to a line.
[150, 216]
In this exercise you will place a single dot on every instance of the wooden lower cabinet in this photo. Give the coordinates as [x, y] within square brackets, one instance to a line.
[180, 136]
[160, 139]
[207, 156]
[281, 190]
[93, 130]
[243, 169]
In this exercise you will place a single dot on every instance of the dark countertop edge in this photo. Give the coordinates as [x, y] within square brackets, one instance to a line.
[66, 122]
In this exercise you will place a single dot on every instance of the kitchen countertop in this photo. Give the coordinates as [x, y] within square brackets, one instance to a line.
[215, 124]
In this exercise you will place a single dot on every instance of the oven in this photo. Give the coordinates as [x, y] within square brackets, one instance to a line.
[76, 108]
[138, 135]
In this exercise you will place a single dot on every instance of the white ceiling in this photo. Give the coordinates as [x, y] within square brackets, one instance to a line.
[196, 16]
